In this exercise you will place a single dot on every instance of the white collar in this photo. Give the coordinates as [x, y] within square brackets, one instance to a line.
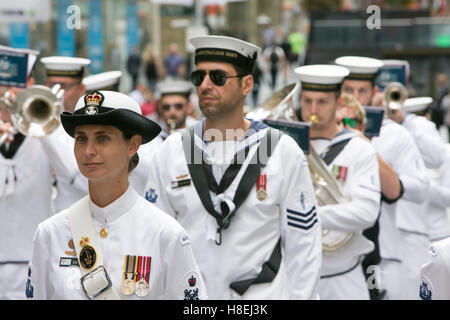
[115, 209]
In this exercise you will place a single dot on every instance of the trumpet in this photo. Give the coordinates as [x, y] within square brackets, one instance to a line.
[278, 107]
[394, 95]
[171, 123]
[35, 112]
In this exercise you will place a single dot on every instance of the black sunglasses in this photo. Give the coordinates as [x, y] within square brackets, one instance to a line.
[218, 77]
[178, 106]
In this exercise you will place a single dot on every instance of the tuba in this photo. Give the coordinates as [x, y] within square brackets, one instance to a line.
[278, 106]
[327, 189]
[394, 95]
[35, 112]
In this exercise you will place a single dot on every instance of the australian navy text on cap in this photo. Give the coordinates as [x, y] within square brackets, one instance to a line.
[110, 108]
[225, 49]
[361, 68]
[321, 77]
[65, 66]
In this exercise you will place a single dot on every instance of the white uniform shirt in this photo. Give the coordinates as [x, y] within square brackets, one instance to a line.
[435, 274]
[357, 165]
[135, 227]
[139, 176]
[28, 203]
[439, 200]
[71, 185]
[256, 227]
[427, 138]
[397, 147]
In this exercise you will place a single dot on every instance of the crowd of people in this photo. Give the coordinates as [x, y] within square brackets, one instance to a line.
[144, 196]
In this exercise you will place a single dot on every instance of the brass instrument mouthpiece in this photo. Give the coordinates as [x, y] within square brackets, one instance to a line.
[313, 118]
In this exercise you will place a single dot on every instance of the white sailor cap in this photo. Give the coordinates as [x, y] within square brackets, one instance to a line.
[361, 68]
[417, 104]
[65, 66]
[174, 87]
[321, 77]
[225, 49]
[32, 56]
[103, 81]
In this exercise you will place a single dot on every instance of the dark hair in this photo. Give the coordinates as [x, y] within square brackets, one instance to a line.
[134, 160]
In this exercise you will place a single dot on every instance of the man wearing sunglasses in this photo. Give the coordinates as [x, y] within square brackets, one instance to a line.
[401, 232]
[252, 221]
[173, 106]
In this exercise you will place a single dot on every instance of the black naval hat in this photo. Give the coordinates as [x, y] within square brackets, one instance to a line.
[110, 108]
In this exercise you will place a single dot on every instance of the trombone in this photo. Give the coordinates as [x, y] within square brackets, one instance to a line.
[35, 111]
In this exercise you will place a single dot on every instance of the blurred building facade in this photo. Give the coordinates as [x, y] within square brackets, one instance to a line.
[106, 30]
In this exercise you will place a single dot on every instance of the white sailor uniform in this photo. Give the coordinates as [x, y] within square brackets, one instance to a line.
[435, 274]
[439, 200]
[139, 176]
[401, 231]
[286, 212]
[25, 201]
[357, 167]
[71, 185]
[427, 138]
[133, 228]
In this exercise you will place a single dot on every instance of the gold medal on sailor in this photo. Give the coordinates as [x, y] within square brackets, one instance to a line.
[262, 195]
[142, 288]
[128, 286]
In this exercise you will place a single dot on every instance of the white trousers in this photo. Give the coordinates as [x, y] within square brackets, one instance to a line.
[13, 279]
[349, 286]
[402, 279]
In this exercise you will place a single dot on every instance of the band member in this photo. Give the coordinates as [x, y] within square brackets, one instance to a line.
[402, 233]
[147, 254]
[247, 204]
[438, 199]
[173, 106]
[25, 194]
[353, 161]
[67, 72]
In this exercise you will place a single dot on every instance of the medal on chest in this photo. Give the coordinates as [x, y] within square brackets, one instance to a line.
[143, 276]
[261, 192]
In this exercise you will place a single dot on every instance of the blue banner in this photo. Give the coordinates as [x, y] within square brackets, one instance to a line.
[95, 36]
[66, 24]
[18, 35]
[13, 69]
[132, 25]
